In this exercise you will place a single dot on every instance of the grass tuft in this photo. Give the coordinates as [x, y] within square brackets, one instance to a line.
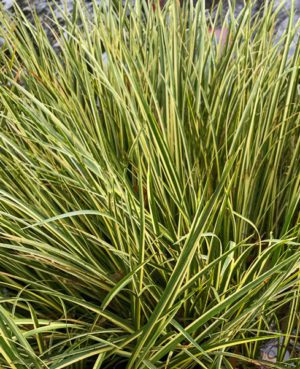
[149, 196]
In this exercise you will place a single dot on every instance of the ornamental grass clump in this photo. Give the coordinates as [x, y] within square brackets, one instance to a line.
[149, 191]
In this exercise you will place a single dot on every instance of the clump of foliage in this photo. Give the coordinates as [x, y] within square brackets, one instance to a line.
[149, 200]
